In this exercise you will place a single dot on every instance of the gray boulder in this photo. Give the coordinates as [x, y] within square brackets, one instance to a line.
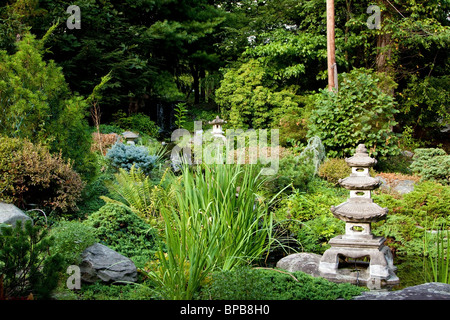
[305, 262]
[10, 214]
[426, 291]
[399, 186]
[102, 263]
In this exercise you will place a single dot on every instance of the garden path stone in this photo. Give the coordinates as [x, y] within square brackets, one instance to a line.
[426, 291]
[9, 214]
[102, 263]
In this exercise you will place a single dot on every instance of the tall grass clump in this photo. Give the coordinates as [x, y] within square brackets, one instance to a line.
[437, 255]
[215, 221]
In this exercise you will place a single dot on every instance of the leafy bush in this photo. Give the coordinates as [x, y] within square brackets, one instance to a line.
[425, 207]
[245, 283]
[29, 174]
[425, 104]
[138, 122]
[307, 215]
[247, 98]
[70, 240]
[123, 231]
[293, 170]
[432, 164]
[315, 234]
[25, 263]
[126, 155]
[404, 238]
[360, 112]
[334, 169]
[37, 104]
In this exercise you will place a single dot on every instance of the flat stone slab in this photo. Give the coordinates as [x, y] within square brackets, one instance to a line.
[426, 291]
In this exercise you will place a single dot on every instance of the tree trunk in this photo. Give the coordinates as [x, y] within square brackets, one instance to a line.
[196, 84]
[332, 74]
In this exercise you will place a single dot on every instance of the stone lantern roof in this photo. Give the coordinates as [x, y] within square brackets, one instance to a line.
[359, 211]
[130, 137]
[361, 158]
[217, 121]
[354, 182]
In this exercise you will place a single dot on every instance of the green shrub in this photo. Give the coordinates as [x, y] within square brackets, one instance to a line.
[29, 174]
[293, 170]
[429, 201]
[25, 263]
[360, 112]
[124, 232]
[298, 170]
[137, 192]
[37, 104]
[70, 240]
[334, 169]
[432, 164]
[307, 215]
[272, 284]
[425, 207]
[404, 238]
[315, 234]
[126, 155]
[136, 122]
[242, 283]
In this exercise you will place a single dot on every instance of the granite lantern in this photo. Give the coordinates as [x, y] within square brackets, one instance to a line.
[217, 127]
[358, 256]
[130, 137]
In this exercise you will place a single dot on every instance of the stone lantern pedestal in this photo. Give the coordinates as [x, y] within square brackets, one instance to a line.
[358, 256]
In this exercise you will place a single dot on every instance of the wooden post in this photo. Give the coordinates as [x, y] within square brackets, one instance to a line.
[332, 67]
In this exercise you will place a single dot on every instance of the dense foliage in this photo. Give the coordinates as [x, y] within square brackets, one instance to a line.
[360, 112]
[244, 283]
[30, 174]
[36, 103]
[26, 267]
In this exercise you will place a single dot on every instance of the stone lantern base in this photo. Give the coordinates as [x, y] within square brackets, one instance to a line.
[337, 265]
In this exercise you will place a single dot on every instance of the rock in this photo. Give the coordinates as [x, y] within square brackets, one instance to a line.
[101, 262]
[306, 262]
[426, 291]
[399, 186]
[404, 186]
[9, 214]
[407, 153]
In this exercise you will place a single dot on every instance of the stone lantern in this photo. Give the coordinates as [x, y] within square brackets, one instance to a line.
[358, 242]
[217, 127]
[130, 137]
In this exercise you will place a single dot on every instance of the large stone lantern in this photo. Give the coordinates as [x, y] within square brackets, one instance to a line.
[358, 256]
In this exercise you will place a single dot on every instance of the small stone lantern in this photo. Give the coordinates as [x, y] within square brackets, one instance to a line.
[358, 241]
[130, 137]
[217, 127]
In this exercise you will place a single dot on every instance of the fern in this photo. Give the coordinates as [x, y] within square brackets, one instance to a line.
[137, 192]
